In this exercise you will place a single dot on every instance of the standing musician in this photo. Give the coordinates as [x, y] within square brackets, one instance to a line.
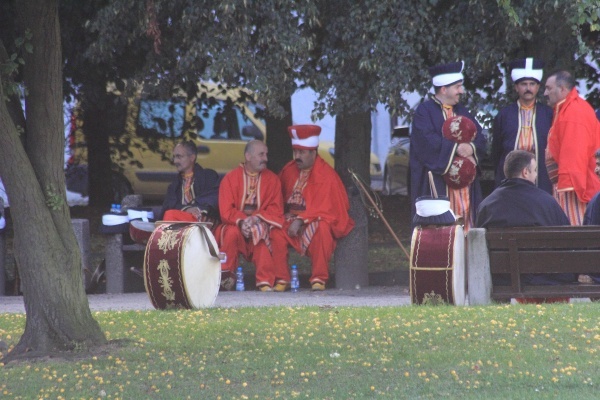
[572, 141]
[431, 151]
[523, 125]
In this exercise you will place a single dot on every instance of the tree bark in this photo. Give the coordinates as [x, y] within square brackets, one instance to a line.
[278, 140]
[46, 251]
[352, 150]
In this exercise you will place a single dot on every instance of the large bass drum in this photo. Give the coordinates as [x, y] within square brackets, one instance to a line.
[181, 266]
[437, 265]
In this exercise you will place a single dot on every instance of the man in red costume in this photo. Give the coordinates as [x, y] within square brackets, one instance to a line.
[572, 141]
[316, 205]
[251, 210]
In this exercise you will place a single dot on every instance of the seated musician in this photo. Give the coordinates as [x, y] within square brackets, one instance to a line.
[518, 202]
[193, 195]
[316, 205]
[251, 209]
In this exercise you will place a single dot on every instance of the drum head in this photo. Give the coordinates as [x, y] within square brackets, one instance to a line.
[458, 276]
[201, 271]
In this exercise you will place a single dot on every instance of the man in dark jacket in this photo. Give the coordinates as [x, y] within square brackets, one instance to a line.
[518, 202]
[194, 195]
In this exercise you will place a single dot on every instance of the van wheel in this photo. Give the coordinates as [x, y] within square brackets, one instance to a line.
[120, 187]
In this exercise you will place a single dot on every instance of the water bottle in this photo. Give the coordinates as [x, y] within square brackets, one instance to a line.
[118, 207]
[295, 285]
[239, 281]
[113, 208]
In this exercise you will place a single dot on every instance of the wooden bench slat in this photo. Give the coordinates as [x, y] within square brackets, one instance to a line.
[582, 261]
[547, 250]
[500, 292]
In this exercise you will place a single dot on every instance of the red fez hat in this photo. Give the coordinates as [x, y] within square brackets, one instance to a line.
[459, 129]
[461, 173]
[304, 136]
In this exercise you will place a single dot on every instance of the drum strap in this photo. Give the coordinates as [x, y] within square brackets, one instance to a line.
[211, 249]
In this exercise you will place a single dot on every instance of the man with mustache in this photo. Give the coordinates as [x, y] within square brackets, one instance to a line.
[573, 138]
[316, 205]
[523, 125]
[193, 195]
[431, 152]
[251, 209]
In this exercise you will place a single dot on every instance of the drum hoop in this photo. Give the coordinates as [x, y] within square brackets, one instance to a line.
[149, 290]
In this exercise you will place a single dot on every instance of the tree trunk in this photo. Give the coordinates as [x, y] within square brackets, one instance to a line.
[352, 150]
[278, 140]
[46, 251]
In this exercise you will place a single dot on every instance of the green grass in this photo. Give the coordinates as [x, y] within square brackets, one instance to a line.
[498, 352]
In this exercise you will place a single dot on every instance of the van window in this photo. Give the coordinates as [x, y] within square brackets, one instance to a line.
[226, 121]
[160, 117]
[219, 120]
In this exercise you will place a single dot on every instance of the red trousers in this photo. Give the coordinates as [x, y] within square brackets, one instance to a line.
[320, 251]
[233, 243]
[177, 215]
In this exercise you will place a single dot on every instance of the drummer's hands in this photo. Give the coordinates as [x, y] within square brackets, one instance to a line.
[288, 216]
[295, 227]
[195, 211]
[247, 226]
[465, 150]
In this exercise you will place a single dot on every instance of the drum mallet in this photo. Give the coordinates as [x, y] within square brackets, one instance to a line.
[360, 185]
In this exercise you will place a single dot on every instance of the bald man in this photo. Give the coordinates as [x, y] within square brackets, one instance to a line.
[251, 207]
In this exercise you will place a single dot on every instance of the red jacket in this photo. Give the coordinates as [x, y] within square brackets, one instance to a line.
[573, 139]
[232, 194]
[325, 196]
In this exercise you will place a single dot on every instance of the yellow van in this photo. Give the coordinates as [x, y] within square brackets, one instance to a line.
[223, 125]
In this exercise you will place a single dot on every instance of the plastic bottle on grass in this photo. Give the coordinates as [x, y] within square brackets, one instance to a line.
[239, 281]
[295, 285]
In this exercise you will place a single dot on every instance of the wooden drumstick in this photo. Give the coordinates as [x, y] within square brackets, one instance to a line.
[432, 185]
[362, 188]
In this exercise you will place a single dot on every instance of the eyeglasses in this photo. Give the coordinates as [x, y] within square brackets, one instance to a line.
[180, 156]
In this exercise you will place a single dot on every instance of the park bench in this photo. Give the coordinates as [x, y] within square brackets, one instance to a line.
[531, 250]
[117, 247]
